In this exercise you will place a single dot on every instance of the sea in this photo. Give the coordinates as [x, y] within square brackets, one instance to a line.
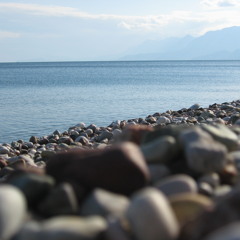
[38, 98]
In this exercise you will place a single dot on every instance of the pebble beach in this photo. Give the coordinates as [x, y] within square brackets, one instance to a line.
[172, 176]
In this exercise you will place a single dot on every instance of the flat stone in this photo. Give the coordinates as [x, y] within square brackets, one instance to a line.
[223, 134]
[151, 217]
[104, 203]
[12, 210]
[161, 150]
[203, 154]
[124, 164]
[60, 201]
[177, 184]
[83, 140]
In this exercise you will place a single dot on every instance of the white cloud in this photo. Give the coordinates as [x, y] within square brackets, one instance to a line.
[217, 16]
[4, 34]
[215, 4]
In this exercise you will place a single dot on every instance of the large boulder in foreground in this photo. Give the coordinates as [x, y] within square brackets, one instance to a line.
[120, 169]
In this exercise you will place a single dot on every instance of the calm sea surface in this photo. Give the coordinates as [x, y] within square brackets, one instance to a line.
[38, 98]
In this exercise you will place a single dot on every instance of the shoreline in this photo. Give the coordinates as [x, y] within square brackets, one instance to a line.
[179, 170]
[92, 136]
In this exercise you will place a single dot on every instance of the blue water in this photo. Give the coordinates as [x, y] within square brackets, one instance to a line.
[38, 98]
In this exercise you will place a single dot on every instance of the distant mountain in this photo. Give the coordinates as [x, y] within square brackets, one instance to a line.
[214, 45]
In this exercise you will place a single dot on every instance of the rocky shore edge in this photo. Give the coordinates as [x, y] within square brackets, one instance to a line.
[172, 175]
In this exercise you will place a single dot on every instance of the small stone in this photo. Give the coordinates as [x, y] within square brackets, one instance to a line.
[83, 140]
[60, 201]
[89, 132]
[12, 210]
[160, 150]
[4, 150]
[163, 120]
[151, 217]
[80, 125]
[223, 135]
[104, 203]
[203, 154]
[124, 164]
[177, 184]
[195, 106]
[103, 135]
[47, 154]
[65, 139]
[33, 139]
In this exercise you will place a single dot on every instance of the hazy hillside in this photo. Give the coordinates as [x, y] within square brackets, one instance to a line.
[221, 44]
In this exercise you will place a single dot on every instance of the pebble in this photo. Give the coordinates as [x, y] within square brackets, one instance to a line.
[160, 150]
[12, 210]
[151, 216]
[163, 120]
[223, 135]
[103, 203]
[202, 152]
[177, 184]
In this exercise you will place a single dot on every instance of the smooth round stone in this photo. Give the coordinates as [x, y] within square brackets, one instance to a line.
[89, 132]
[212, 179]
[223, 134]
[235, 157]
[195, 106]
[80, 125]
[104, 203]
[161, 150]
[12, 210]
[163, 120]
[228, 232]
[222, 191]
[189, 206]
[203, 154]
[151, 217]
[116, 133]
[177, 184]
[158, 172]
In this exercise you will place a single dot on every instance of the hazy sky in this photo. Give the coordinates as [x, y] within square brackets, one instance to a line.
[42, 30]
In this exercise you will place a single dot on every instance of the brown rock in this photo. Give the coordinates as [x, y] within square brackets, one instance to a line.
[119, 169]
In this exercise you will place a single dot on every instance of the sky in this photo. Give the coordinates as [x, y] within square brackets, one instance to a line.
[80, 30]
